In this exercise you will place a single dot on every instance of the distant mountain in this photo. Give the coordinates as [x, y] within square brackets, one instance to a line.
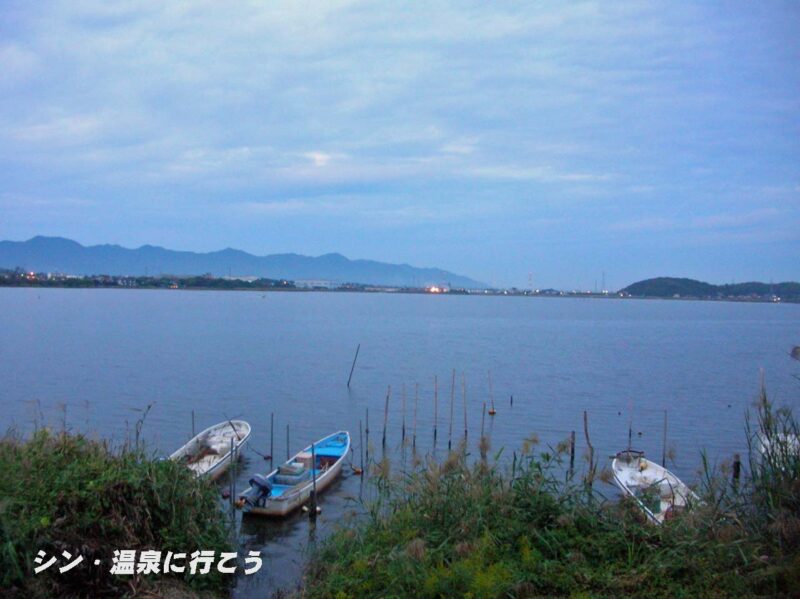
[57, 254]
[671, 287]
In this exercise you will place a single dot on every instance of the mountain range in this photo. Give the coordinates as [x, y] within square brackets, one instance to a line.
[58, 254]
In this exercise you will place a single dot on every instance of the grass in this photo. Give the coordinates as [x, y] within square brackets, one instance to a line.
[479, 530]
[61, 491]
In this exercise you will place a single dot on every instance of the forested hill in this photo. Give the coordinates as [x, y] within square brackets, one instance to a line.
[670, 287]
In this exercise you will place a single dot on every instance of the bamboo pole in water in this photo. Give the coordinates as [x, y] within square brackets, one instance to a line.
[234, 471]
[361, 445]
[590, 475]
[366, 431]
[464, 394]
[230, 479]
[312, 513]
[403, 435]
[353, 367]
[492, 411]
[271, 437]
[483, 442]
[571, 453]
[416, 401]
[452, 407]
[435, 408]
[630, 424]
[386, 414]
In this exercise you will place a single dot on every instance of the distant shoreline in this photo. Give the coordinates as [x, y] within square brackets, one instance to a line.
[405, 291]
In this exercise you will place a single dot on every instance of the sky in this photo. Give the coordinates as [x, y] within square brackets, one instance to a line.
[512, 142]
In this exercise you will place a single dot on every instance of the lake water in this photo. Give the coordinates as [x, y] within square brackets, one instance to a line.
[96, 358]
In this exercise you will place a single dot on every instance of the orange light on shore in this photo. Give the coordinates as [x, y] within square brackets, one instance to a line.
[434, 289]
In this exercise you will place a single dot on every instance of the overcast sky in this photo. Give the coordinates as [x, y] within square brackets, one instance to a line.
[491, 139]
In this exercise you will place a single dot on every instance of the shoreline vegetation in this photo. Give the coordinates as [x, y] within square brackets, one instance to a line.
[65, 492]
[659, 288]
[461, 529]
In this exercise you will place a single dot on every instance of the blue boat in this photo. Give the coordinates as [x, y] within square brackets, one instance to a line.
[289, 486]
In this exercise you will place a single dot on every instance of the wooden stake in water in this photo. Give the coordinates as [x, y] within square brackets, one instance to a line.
[464, 394]
[630, 424]
[231, 477]
[312, 513]
[590, 474]
[664, 443]
[483, 442]
[452, 407]
[235, 470]
[271, 437]
[353, 367]
[366, 431]
[361, 445]
[386, 414]
[492, 411]
[403, 437]
[435, 408]
[416, 401]
[571, 454]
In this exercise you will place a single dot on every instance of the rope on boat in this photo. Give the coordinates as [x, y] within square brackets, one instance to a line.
[253, 449]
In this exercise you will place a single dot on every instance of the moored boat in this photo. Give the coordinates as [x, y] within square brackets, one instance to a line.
[289, 486]
[659, 493]
[208, 453]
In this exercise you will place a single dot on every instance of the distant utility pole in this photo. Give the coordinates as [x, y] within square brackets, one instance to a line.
[604, 282]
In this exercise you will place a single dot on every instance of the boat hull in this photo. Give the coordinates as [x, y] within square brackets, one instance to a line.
[217, 438]
[656, 490]
[292, 499]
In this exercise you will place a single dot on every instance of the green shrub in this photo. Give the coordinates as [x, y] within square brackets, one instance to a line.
[64, 492]
[477, 530]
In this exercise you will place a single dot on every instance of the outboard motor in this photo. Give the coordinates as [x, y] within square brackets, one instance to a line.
[261, 483]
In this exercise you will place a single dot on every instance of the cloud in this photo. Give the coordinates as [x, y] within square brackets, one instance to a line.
[735, 220]
[71, 129]
[657, 223]
[17, 64]
[318, 158]
[545, 174]
[372, 210]
[461, 147]
[738, 224]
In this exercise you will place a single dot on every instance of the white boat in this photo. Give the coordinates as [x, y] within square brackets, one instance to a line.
[659, 493]
[289, 486]
[209, 452]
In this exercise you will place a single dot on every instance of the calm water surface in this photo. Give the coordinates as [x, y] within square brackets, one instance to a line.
[98, 357]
